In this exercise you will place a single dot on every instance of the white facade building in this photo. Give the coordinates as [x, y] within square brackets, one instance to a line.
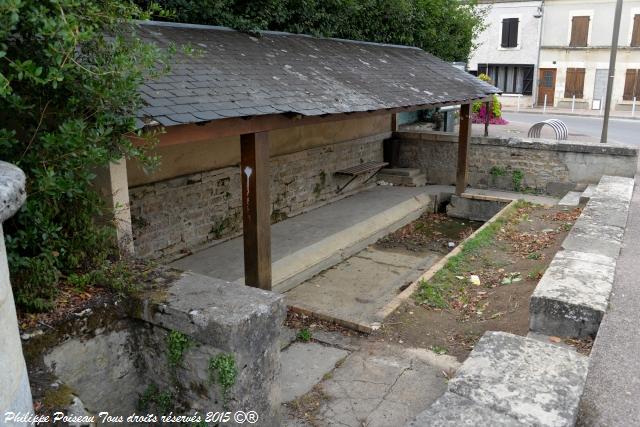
[507, 50]
[574, 54]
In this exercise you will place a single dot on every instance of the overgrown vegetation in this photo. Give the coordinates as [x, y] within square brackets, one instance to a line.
[69, 73]
[223, 371]
[443, 27]
[435, 291]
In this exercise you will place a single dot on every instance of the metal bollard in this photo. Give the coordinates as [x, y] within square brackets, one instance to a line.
[544, 109]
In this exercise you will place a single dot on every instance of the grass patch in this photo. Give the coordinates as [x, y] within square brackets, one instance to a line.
[304, 335]
[435, 292]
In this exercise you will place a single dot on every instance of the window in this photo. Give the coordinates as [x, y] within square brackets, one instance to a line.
[635, 35]
[574, 83]
[510, 78]
[579, 31]
[631, 85]
[510, 32]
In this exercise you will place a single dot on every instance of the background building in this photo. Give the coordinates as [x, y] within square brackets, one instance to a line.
[507, 50]
[575, 49]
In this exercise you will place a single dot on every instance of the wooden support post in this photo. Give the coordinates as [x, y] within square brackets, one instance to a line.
[464, 135]
[394, 122]
[254, 164]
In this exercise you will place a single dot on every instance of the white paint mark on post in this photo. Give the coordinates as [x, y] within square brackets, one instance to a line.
[544, 109]
[248, 171]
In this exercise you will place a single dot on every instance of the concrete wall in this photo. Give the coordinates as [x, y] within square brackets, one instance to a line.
[556, 53]
[194, 199]
[489, 48]
[552, 167]
[15, 395]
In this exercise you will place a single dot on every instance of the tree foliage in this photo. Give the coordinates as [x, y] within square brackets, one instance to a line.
[69, 73]
[445, 28]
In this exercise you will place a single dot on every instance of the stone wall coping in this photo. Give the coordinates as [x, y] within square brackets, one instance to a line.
[12, 190]
[610, 148]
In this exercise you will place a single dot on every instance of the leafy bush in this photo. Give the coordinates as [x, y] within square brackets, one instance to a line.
[69, 73]
[443, 27]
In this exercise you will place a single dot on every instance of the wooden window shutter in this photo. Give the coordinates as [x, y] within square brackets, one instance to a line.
[574, 84]
[505, 33]
[629, 85]
[635, 35]
[510, 32]
[579, 31]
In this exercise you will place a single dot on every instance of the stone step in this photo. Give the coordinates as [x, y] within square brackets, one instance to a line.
[418, 180]
[400, 171]
[572, 198]
[509, 380]
[572, 296]
[588, 193]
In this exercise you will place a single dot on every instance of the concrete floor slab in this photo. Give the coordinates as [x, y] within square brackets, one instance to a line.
[316, 240]
[380, 385]
[354, 291]
[304, 365]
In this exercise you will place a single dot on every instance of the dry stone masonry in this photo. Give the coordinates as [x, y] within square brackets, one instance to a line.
[551, 167]
[172, 217]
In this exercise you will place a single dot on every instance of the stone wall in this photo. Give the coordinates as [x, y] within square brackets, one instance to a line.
[15, 395]
[118, 356]
[545, 166]
[177, 215]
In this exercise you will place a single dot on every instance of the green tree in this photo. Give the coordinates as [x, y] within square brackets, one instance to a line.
[69, 73]
[446, 28]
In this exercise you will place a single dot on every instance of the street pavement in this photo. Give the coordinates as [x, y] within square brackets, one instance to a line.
[620, 130]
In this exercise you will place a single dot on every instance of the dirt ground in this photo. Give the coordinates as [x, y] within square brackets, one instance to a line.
[455, 309]
[430, 232]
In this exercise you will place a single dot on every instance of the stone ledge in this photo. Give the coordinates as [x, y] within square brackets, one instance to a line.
[512, 380]
[572, 296]
[218, 313]
[12, 190]
[525, 143]
[452, 410]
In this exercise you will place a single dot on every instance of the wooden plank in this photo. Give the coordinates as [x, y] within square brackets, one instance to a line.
[184, 134]
[464, 136]
[256, 212]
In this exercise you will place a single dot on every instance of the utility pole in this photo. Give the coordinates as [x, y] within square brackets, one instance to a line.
[612, 70]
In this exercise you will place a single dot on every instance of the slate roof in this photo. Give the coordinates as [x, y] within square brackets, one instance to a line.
[234, 74]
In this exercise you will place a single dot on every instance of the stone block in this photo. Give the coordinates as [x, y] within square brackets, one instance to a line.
[216, 312]
[609, 212]
[572, 296]
[473, 209]
[587, 236]
[535, 383]
[452, 410]
[615, 187]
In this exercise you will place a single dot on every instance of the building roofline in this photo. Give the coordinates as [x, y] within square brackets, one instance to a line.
[268, 32]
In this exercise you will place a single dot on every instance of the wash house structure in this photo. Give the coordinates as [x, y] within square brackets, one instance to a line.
[258, 128]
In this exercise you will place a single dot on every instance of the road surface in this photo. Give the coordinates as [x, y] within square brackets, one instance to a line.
[620, 130]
